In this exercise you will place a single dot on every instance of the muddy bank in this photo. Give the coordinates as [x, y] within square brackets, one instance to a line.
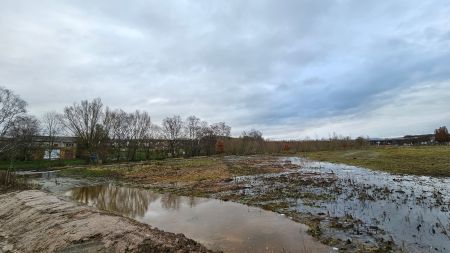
[35, 221]
[219, 225]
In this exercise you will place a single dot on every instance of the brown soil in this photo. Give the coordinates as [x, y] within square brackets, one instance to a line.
[35, 221]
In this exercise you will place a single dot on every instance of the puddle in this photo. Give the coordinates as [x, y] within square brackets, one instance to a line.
[37, 174]
[218, 225]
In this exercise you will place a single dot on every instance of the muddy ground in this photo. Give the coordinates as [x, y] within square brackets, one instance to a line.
[35, 221]
[350, 208]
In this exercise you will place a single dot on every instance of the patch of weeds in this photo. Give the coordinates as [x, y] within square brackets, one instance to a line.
[10, 181]
[90, 172]
[313, 196]
[365, 196]
[40, 164]
[275, 206]
[314, 228]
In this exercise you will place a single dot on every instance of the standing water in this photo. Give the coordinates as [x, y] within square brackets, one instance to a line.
[360, 205]
[226, 226]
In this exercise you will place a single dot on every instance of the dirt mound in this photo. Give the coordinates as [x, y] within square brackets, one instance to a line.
[35, 221]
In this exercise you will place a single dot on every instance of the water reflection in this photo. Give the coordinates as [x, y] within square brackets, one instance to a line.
[37, 174]
[219, 225]
[131, 202]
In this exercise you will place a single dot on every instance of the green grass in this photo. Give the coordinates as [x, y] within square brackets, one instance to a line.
[421, 160]
[89, 172]
[40, 164]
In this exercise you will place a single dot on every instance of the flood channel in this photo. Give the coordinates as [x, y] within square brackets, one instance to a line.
[354, 204]
[219, 225]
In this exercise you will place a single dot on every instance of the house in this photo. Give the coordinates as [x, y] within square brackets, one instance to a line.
[58, 147]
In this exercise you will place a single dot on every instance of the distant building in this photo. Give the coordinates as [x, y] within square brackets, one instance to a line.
[424, 139]
[58, 147]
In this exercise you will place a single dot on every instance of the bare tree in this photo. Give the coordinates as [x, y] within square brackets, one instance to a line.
[172, 128]
[153, 142]
[22, 130]
[130, 131]
[207, 138]
[192, 129]
[120, 132]
[212, 137]
[204, 130]
[85, 121]
[140, 129]
[11, 107]
[156, 132]
[221, 129]
[51, 127]
[107, 122]
[52, 124]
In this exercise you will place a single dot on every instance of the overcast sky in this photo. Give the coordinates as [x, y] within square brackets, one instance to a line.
[290, 68]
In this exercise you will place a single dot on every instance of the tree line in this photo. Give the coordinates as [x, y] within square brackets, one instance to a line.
[109, 134]
[103, 132]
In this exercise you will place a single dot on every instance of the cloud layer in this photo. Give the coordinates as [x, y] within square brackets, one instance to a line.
[291, 68]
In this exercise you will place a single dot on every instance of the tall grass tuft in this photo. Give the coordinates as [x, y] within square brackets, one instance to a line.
[9, 180]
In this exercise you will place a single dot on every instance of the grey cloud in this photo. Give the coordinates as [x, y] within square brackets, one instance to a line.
[253, 64]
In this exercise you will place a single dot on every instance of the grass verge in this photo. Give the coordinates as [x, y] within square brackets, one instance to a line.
[423, 160]
[40, 164]
[90, 172]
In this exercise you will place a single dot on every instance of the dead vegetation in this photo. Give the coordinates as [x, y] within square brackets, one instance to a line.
[10, 181]
[184, 171]
[197, 176]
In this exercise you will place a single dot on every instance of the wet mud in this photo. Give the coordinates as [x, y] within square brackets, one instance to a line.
[349, 208]
[356, 209]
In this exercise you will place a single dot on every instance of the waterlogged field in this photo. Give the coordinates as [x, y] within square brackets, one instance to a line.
[355, 208]
[349, 208]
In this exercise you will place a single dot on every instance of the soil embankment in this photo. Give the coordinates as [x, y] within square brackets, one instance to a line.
[35, 221]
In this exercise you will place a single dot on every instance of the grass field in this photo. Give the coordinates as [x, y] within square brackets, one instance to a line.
[39, 164]
[421, 160]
